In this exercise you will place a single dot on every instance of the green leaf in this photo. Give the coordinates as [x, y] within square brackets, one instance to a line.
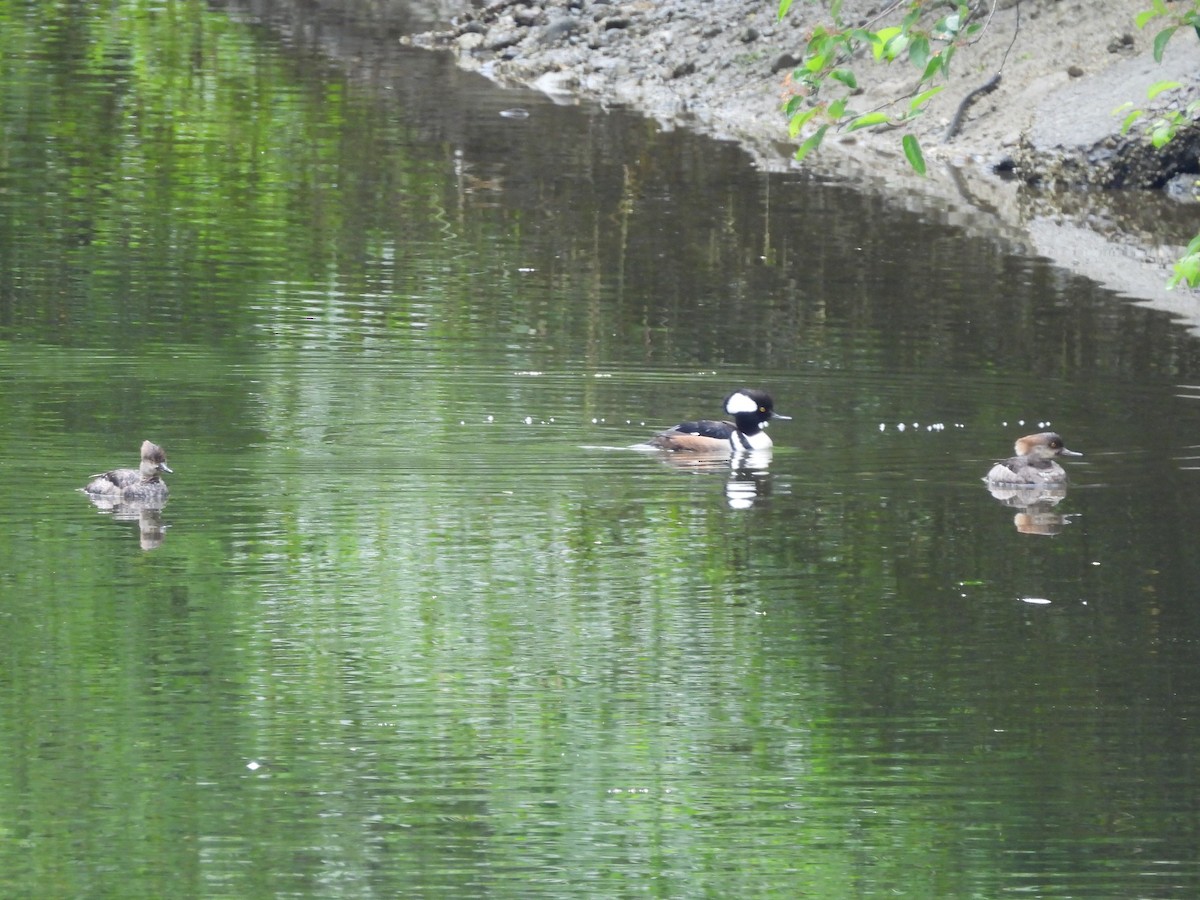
[1188, 270]
[867, 120]
[933, 68]
[837, 108]
[799, 120]
[783, 7]
[845, 76]
[818, 44]
[812, 143]
[1194, 245]
[947, 54]
[1159, 86]
[924, 97]
[1130, 119]
[912, 152]
[918, 51]
[1160, 41]
[880, 41]
[793, 106]
[895, 46]
[1143, 18]
[949, 25]
[1161, 136]
[815, 63]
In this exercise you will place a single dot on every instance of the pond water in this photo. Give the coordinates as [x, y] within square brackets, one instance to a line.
[416, 620]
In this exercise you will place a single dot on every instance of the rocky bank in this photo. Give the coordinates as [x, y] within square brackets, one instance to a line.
[722, 67]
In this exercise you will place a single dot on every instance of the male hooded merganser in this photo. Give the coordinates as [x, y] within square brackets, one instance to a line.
[133, 485]
[751, 410]
[1034, 462]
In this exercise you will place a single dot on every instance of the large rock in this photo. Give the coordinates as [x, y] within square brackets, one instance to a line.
[1076, 140]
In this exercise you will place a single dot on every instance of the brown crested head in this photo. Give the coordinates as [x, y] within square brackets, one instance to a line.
[155, 456]
[1045, 445]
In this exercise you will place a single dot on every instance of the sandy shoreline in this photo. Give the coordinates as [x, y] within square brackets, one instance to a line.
[719, 67]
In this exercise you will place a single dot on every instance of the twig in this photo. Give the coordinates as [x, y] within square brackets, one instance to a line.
[988, 22]
[1016, 31]
[883, 12]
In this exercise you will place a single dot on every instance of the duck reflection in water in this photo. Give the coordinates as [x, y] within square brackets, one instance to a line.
[740, 447]
[148, 516]
[135, 495]
[1033, 483]
[749, 477]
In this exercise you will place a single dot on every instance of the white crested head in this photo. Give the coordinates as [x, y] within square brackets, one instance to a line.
[740, 402]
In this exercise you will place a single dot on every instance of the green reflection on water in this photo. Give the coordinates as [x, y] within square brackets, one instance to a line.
[168, 181]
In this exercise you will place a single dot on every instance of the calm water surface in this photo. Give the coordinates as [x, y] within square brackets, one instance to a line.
[417, 622]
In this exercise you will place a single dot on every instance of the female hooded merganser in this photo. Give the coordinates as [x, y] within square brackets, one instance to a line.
[133, 485]
[1034, 462]
[751, 410]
